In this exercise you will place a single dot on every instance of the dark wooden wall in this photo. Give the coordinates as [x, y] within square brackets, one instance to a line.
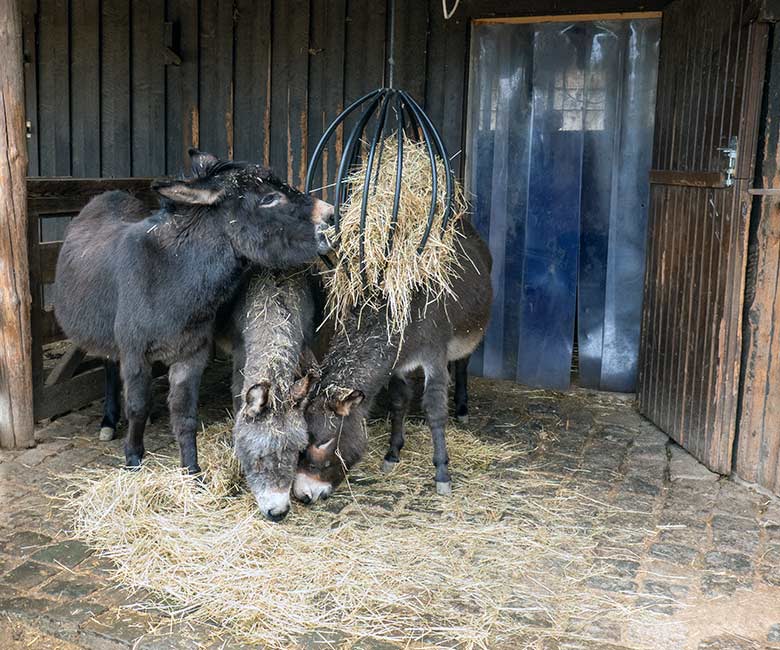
[124, 87]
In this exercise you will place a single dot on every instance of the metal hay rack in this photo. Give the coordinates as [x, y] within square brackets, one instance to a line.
[409, 119]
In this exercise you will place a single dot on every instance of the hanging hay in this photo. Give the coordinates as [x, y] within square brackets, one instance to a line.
[390, 281]
[502, 564]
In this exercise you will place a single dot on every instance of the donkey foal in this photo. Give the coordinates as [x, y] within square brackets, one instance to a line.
[361, 361]
[272, 331]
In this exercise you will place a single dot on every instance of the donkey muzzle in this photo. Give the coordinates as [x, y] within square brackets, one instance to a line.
[309, 489]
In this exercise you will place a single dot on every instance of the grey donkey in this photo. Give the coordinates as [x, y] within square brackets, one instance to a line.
[361, 360]
[139, 287]
[272, 331]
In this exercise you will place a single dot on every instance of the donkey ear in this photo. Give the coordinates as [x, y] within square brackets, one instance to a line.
[183, 192]
[256, 399]
[343, 404]
[319, 453]
[201, 162]
[302, 387]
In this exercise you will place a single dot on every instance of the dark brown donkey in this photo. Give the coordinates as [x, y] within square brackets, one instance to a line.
[140, 291]
[361, 361]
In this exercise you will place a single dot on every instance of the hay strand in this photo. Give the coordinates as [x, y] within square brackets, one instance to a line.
[502, 564]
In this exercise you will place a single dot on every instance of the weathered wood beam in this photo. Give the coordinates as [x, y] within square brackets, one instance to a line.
[16, 391]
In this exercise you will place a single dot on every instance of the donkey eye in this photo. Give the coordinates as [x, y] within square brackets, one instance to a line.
[270, 200]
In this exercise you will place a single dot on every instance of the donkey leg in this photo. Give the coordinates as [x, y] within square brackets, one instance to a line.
[435, 405]
[462, 390]
[111, 404]
[184, 379]
[400, 395]
[137, 379]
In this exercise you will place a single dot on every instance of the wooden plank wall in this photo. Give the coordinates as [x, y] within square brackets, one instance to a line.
[118, 88]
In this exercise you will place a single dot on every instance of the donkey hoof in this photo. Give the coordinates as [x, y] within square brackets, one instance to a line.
[444, 488]
[194, 470]
[133, 463]
[107, 433]
[389, 465]
[462, 419]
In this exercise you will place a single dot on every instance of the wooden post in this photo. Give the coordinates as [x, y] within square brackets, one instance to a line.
[16, 391]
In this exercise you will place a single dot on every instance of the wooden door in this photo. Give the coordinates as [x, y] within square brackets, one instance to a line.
[709, 95]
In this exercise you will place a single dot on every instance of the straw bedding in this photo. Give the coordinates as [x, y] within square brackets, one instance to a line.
[502, 564]
[389, 280]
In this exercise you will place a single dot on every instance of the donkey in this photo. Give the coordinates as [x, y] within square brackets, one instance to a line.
[140, 291]
[361, 361]
[272, 331]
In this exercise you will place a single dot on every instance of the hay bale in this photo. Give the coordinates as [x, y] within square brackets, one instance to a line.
[390, 280]
[503, 564]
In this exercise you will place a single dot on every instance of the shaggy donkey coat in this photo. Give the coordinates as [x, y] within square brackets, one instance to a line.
[272, 330]
[139, 290]
[361, 361]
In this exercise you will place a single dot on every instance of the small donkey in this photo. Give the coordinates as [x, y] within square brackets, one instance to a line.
[140, 291]
[272, 331]
[361, 360]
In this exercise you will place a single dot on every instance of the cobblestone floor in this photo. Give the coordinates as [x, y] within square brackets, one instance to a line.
[708, 546]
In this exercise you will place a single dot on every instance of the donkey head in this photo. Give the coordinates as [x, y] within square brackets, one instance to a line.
[268, 436]
[337, 441]
[267, 222]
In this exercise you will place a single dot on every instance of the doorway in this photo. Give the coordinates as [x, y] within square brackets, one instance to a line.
[559, 147]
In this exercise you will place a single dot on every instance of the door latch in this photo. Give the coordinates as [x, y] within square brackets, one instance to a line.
[731, 160]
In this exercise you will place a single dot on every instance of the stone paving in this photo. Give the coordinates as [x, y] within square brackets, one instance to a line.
[699, 551]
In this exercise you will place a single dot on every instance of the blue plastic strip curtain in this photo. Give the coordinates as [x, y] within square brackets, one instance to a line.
[558, 153]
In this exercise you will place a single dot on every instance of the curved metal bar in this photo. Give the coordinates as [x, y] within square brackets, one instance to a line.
[426, 135]
[392, 93]
[398, 172]
[354, 136]
[315, 159]
[450, 176]
[378, 129]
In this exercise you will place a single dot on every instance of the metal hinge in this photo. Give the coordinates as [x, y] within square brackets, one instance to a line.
[731, 162]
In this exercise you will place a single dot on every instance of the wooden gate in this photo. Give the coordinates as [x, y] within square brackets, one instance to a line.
[69, 382]
[713, 56]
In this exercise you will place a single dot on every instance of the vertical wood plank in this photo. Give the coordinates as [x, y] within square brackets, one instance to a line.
[253, 77]
[446, 88]
[53, 88]
[30, 53]
[116, 156]
[36, 299]
[216, 77]
[364, 51]
[289, 90]
[85, 81]
[326, 85]
[181, 83]
[758, 441]
[16, 391]
[411, 46]
[148, 88]
[693, 421]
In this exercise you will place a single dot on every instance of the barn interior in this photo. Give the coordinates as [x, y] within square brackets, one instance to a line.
[621, 159]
